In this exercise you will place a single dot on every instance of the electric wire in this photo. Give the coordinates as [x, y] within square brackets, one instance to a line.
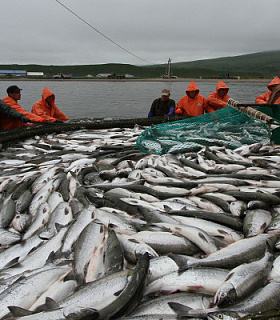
[102, 34]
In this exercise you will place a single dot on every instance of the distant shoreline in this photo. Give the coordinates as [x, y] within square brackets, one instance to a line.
[136, 80]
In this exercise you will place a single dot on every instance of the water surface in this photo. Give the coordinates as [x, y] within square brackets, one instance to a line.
[123, 99]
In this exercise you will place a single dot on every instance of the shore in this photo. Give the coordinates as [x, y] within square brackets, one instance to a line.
[135, 80]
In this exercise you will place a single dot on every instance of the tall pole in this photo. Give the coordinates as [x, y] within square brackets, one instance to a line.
[169, 68]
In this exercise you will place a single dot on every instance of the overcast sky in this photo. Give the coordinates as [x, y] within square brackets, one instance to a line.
[45, 32]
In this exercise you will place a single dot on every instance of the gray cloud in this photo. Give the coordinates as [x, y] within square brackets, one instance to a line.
[43, 32]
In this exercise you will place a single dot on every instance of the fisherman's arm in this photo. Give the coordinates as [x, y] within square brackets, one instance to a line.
[180, 107]
[9, 112]
[215, 102]
[152, 109]
[59, 115]
[171, 108]
[37, 111]
[263, 98]
[205, 105]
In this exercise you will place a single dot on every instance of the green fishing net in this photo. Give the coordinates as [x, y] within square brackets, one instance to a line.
[226, 127]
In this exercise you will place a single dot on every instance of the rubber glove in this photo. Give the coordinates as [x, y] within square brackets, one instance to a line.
[150, 114]
[179, 111]
[171, 111]
[24, 119]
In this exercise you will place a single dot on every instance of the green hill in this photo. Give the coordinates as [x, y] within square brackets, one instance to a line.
[256, 65]
[261, 64]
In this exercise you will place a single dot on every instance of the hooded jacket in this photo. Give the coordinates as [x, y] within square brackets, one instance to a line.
[192, 107]
[263, 98]
[215, 100]
[48, 111]
[8, 124]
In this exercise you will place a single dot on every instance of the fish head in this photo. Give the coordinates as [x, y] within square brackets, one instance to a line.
[274, 227]
[223, 315]
[225, 295]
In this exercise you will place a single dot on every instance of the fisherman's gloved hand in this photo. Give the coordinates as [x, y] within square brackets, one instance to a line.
[171, 111]
[150, 114]
[59, 121]
[179, 111]
[24, 119]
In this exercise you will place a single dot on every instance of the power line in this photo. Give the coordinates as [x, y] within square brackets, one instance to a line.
[102, 34]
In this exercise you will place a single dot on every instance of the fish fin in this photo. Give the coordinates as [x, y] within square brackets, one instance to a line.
[112, 226]
[194, 288]
[202, 236]
[117, 293]
[179, 308]
[51, 304]
[19, 312]
[182, 262]
[133, 240]
[221, 231]
[12, 263]
[263, 226]
[51, 257]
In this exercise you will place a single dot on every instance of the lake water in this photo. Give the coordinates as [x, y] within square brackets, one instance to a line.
[121, 99]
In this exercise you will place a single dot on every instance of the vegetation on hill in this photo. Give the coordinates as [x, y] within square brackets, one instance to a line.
[256, 65]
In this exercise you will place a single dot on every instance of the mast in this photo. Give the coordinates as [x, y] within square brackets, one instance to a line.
[169, 74]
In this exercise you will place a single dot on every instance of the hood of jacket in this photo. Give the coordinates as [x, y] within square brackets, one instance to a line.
[192, 87]
[46, 93]
[275, 81]
[221, 85]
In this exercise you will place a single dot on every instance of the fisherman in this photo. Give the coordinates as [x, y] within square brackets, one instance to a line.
[162, 106]
[14, 94]
[192, 104]
[47, 109]
[8, 115]
[218, 100]
[264, 98]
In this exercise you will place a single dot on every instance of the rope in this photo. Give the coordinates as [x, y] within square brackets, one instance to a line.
[102, 34]
[250, 111]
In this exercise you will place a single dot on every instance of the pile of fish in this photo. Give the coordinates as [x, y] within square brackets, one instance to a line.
[92, 228]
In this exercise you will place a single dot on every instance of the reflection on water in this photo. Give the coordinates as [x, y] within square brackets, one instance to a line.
[95, 99]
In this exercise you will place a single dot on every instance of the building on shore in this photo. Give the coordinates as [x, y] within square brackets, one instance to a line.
[35, 74]
[13, 73]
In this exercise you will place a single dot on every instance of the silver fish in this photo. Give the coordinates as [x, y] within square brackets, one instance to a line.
[231, 256]
[88, 245]
[29, 288]
[203, 280]
[256, 221]
[243, 280]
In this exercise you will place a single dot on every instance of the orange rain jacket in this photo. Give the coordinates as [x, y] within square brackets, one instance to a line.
[12, 124]
[217, 101]
[263, 98]
[191, 106]
[46, 111]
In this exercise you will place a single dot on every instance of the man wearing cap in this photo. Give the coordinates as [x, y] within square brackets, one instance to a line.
[162, 106]
[14, 94]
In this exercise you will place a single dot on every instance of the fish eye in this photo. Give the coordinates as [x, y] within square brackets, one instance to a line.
[220, 316]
